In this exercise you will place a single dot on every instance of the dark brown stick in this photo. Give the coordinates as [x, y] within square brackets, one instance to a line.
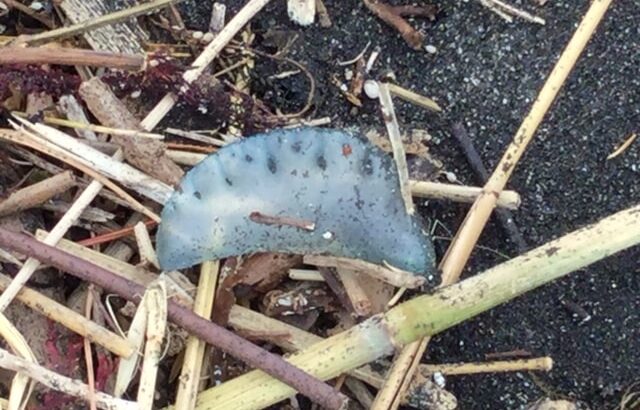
[220, 337]
[261, 218]
[70, 56]
[504, 215]
[387, 14]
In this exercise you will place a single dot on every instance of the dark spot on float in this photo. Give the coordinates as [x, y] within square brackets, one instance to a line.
[271, 164]
[296, 146]
[228, 181]
[322, 162]
[248, 158]
[197, 194]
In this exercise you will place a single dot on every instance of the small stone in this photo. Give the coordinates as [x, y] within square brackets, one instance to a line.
[327, 235]
[438, 378]
[451, 177]
[431, 49]
[208, 38]
[348, 74]
[136, 94]
[371, 89]
[154, 63]
[197, 35]
[36, 5]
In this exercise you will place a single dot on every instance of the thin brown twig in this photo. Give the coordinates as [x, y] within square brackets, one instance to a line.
[211, 333]
[261, 218]
[387, 14]
[71, 56]
[113, 235]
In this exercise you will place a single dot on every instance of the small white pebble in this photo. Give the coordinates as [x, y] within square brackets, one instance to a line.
[154, 63]
[284, 302]
[348, 74]
[438, 378]
[371, 89]
[202, 109]
[208, 38]
[36, 5]
[451, 177]
[135, 94]
[431, 49]
[344, 88]
[327, 235]
[197, 35]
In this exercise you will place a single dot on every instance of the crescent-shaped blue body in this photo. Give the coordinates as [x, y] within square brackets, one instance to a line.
[339, 181]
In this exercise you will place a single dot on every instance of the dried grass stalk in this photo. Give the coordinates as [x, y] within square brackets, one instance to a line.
[72, 320]
[61, 383]
[396, 277]
[189, 381]
[467, 236]
[155, 301]
[520, 365]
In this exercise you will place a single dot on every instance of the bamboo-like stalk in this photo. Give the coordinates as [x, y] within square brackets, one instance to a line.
[155, 301]
[204, 59]
[413, 98]
[247, 320]
[430, 314]
[460, 193]
[396, 277]
[468, 234]
[36, 194]
[61, 383]
[189, 381]
[64, 32]
[520, 365]
[71, 320]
